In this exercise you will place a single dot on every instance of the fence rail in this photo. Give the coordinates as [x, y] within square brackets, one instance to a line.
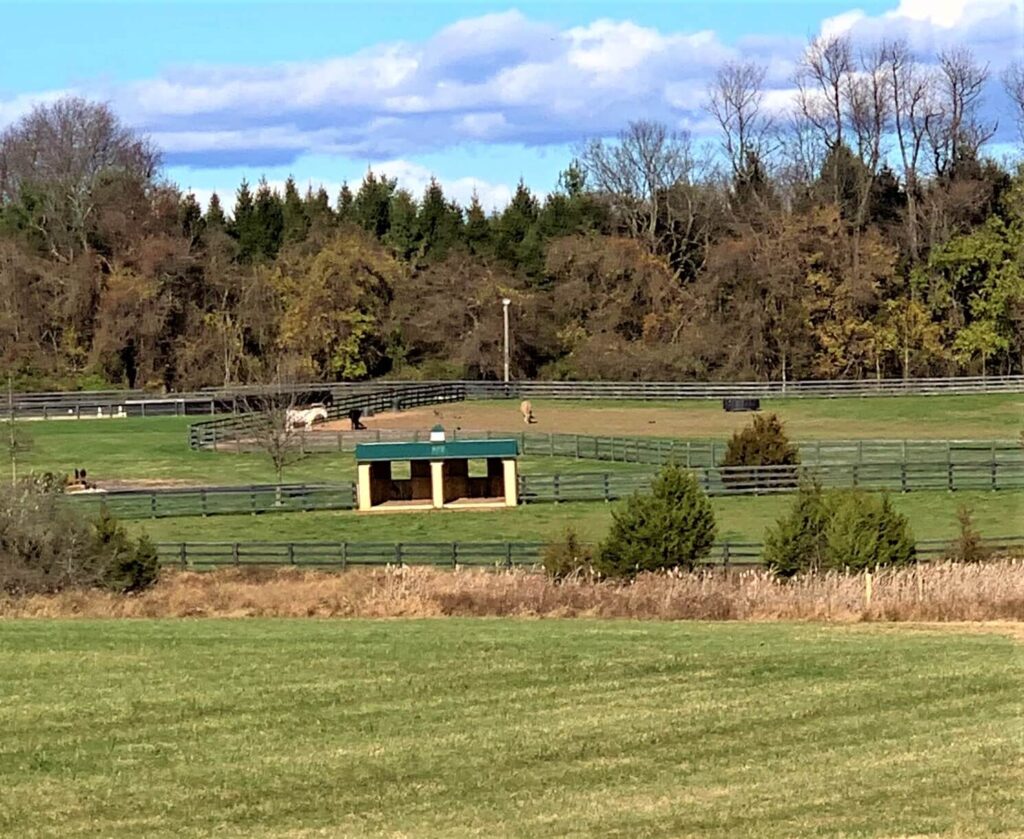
[559, 488]
[343, 555]
[139, 403]
[658, 450]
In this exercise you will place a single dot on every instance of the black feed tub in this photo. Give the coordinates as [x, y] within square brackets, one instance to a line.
[737, 404]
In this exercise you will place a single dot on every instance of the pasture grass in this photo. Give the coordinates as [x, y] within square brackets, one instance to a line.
[495, 728]
[932, 515]
[156, 449]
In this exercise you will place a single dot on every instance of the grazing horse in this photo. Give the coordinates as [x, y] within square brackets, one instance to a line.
[526, 409]
[304, 417]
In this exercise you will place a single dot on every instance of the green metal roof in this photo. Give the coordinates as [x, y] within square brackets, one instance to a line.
[449, 450]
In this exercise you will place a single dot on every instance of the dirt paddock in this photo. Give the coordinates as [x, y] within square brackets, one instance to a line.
[689, 420]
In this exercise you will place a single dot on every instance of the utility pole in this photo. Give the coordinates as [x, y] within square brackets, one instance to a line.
[505, 304]
[13, 441]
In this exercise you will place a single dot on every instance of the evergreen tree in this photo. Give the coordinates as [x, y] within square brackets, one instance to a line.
[439, 223]
[190, 216]
[371, 207]
[343, 209]
[513, 242]
[478, 228]
[242, 224]
[268, 222]
[672, 527]
[295, 221]
[215, 218]
[402, 236]
[318, 209]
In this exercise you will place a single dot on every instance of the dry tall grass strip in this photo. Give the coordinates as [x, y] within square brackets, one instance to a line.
[934, 592]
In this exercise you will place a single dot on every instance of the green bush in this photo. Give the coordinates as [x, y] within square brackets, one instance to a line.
[865, 531]
[968, 546]
[851, 529]
[128, 566]
[47, 545]
[671, 527]
[762, 443]
[567, 555]
[797, 542]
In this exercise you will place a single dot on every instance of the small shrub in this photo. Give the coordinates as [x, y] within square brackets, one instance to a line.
[838, 530]
[47, 545]
[672, 527]
[864, 531]
[128, 566]
[567, 555]
[968, 546]
[797, 541]
[762, 443]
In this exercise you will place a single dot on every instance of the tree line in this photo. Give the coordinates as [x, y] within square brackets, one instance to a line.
[862, 231]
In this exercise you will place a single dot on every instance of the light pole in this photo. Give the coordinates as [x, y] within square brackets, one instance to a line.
[505, 303]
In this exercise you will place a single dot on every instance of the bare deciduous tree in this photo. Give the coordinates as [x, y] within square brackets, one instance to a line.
[651, 176]
[957, 130]
[1013, 81]
[735, 100]
[58, 157]
[822, 79]
[912, 89]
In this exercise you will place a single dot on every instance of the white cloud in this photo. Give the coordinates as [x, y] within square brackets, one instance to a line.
[496, 78]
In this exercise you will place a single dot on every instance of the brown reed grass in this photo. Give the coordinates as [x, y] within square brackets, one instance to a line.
[934, 592]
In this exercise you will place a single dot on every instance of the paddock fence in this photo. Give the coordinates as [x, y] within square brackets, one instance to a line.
[344, 555]
[655, 451]
[568, 487]
[212, 401]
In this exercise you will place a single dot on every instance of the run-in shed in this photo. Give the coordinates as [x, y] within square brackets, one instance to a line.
[438, 474]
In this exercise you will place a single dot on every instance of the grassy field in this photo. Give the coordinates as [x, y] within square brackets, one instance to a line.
[488, 728]
[932, 515]
[156, 449]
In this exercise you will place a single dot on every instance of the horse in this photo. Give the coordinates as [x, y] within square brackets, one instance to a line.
[305, 417]
[526, 409]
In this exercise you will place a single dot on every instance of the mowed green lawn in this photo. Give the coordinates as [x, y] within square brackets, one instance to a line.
[494, 728]
[932, 515]
[157, 449]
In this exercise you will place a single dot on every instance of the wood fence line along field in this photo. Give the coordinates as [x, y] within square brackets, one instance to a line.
[342, 555]
[557, 488]
[659, 450]
[105, 403]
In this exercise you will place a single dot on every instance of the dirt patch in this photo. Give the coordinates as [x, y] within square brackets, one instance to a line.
[145, 483]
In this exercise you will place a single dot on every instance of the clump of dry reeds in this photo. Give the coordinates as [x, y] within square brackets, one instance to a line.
[933, 592]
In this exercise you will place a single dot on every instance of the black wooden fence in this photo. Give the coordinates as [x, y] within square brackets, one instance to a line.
[655, 451]
[229, 399]
[600, 486]
[343, 555]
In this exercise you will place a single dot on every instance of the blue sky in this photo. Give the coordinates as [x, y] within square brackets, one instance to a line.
[480, 93]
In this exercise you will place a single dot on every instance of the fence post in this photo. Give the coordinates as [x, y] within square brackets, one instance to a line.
[152, 505]
[995, 483]
[344, 555]
[867, 590]
[508, 555]
[688, 462]
[607, 491]
[202, 500]
[950, 482]
[183, 555]
[725, 554]
[556, 485]
[455, 555]
[398, 554]
[291, 553]
[577, 446]
[903, 476]
[234, 553]
[855, 470]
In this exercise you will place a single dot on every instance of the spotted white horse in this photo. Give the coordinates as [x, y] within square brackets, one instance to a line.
[305, 417]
